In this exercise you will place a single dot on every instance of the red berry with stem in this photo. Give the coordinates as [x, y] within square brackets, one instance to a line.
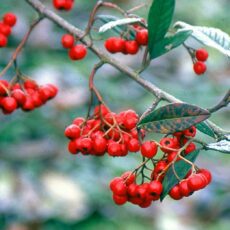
[199, 67]
[175, 193]
[133, 145]
[202, 55]
[72, 131]
[131, 47]
[67, 41]
[19, 96]
[168, 144]
[190, 132]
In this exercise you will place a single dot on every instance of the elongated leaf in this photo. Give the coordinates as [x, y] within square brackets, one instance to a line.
[209, 36]
[206, 129]
[173, 118]
[221, 146]
[117, 29]
[182, 168]
[159, 20]
[119, 22]
[169, 43]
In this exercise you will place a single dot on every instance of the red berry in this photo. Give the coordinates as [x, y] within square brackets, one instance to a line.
[101, 110]
[133, 145]
[131, 47]
[155, 189]
[175, 193]
[86, 145]
[5, 29]
[109, 44]
[30, 84]
[120, 188]
[196, 182]
[184, 189]
[142, 37]
[3, 40]
[149, 149]
[72, 131]
[114, 149]
[132, 190]
[199, 68]
[19, 96]
[72, 147]
[4, 84]
[10, 19]
[207, 175]
[67, 41]
[114, 181]
[190, 132]
[77, 52]
[119, 200]
[115, 44]
[79, 121]
[59, 4]
[9, 104]
[190, 148]
[69, 4]
[28, 105]
[160, 167]
[171, 157]
[168, 143]
[128, 178]
[99, 145]
[202, 55]
[142, 190]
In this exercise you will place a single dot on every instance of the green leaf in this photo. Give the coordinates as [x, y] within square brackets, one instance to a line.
[182, 168]
[208, 36]
[173, 118]
[206, 129]
[169, 43]
[119, 29]
[159, 20]
[221, 146]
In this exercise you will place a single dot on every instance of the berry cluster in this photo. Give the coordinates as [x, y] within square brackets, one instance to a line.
[120, 45]
[76, 52]
[201, 56]
[125, 189]
[27, 96]
[191, 183]
[105, 132]
[8, 21]
[63, 4]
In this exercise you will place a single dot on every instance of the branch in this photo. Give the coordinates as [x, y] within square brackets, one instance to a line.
[159, 93]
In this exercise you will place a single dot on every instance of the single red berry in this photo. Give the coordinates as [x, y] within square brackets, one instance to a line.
[86, 145]
[207, 174]
[199, 67]
[133, 145]
[28, 105]
[67, 41]
[101, 110]
[171, 157]
[132, 190]
[184, 188]
[160, 167]
[79, 121]
[119, 200]
[120, 188]
[131, 47]
[115, 44]
[142, 37]
[3, 40]
[109, 44]
[142, 190]
[168, 143]
[114, 149]
[69, 4]
[4, 85]
[130, 123]
[5, 29]
[99, 145]
[175, 193]
[73, 131]
[19, 96]
[190, 148]
[190, 132]
[149, 149]
[202, 55]
[146, 203]
[59, 4]
[113, 182]
[9, 104]
[30, 84]
[77, 52]
[155, 189]
[10, 19]
[196, 182]
[72, 147]
[128, 177]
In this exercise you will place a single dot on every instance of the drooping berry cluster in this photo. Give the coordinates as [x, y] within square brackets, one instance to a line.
[63, 4]
[175, 148]
[120, 45]
[201, 56]
[27, 96]
[125, 189]
[76, 52]
[191, 183]
[105, 132]
[8, 21]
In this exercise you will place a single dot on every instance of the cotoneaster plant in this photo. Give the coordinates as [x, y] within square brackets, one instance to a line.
[167, 165]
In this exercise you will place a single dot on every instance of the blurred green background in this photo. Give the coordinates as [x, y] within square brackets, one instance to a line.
[43, 187]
